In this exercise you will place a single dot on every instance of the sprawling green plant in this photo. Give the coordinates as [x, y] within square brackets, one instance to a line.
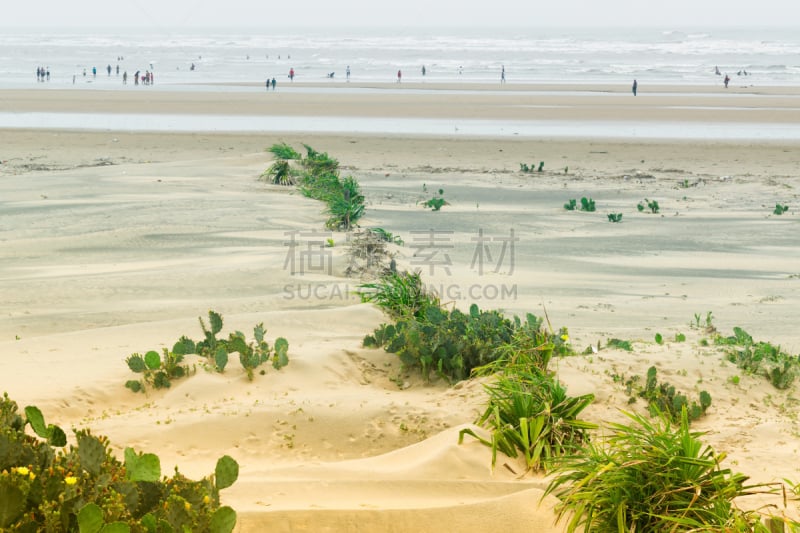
[437, 202]
[452, 343]
[651, 476]
[760, 358]
[587, 204]
[652, 205]
[85, 488]
[386, 236]
[662, 398]
[529, 412]
[615, 217]
[571, 205]
[780, 209]
[158, 372]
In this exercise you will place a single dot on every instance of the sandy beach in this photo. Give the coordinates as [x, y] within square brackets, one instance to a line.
[114, 242]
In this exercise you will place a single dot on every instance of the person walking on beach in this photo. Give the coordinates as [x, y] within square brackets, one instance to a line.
[727, 80]
[635, 87]
[291, 74]
[502, 73]
[94, 72]
[125, 78]
[348, 72]
[273, 83]
[423, 70]
[399, 76]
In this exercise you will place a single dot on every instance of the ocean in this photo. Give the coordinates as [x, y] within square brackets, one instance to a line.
[573, 56]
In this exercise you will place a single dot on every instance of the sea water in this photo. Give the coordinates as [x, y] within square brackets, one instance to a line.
[573, 56]
[226, 61]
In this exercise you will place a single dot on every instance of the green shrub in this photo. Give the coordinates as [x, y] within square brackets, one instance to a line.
[437, 202]
[780, 209]
[615, 217]
[85, 488]
[529, 412]
[571, 205]
[651, 476]
[587, 204]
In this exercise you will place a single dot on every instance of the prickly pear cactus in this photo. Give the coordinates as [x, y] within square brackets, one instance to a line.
[281, 357]
[91, 452]
[226, 473]
[12, 502]
[215, 319]
[178, 513]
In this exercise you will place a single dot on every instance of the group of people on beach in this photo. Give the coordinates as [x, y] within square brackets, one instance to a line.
[42, 74]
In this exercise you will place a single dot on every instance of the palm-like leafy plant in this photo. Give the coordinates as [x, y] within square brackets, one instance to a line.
[651, 476]
[280, 173]
[283, 151]
[529, 412]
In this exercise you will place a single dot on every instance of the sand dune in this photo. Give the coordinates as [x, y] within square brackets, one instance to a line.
[114, 243]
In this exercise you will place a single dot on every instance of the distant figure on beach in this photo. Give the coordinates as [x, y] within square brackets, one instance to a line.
[117, 70]
[727, 80]
[125, 78]
[460, 70]
[192, 67]
[84, 73]
[291, 74]
[73, 79]
[399, 76]
[267, 84]
[502, 73]
[348, 72]
[94, 72]
[108, 69]
[136, 78]
[635, 87]
[716, 71]
[273, 83]
[423, 70]
[48, 73]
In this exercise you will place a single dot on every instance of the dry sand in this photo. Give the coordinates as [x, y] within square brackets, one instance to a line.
[115, 242]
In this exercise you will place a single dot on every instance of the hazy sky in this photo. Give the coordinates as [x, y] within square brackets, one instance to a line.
[374, 13]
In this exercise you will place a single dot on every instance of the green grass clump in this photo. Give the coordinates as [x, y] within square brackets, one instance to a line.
[400, 294]
[45, 486]
[651, 476]
[530, 413]
[780, 209]
[615, 217]
[571, 205]
[652, 205]
[587, 204]
[280, 173]
[283, 151]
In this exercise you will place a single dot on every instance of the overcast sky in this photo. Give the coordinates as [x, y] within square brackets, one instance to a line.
[273, 14]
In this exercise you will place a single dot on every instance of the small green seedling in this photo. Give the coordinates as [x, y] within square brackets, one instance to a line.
[572, 205]
[615, 217]
[780, 209]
